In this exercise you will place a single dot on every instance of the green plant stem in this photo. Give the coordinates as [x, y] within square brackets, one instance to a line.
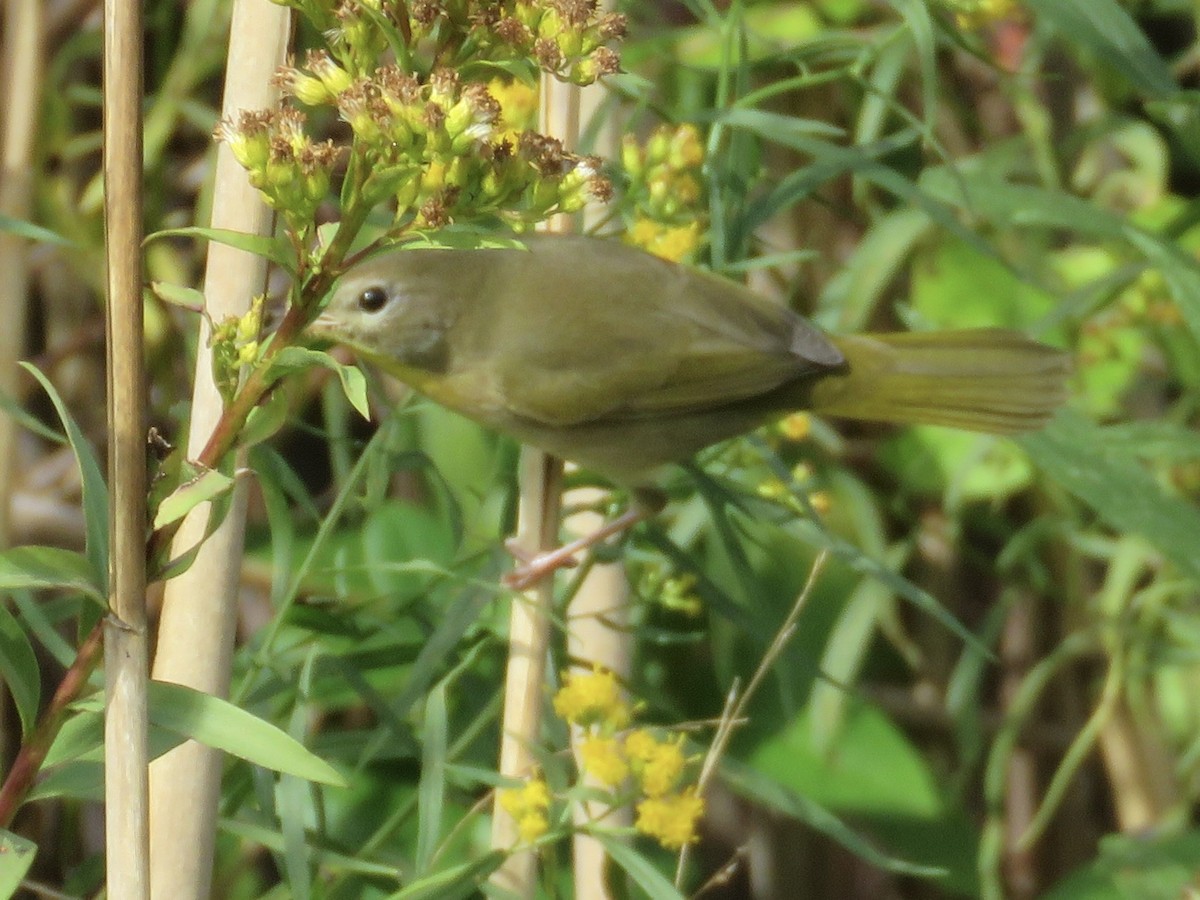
[233, 419]
[29, 759]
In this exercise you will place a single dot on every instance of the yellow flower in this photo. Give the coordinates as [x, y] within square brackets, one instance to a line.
[588, 698]
[821, 501]
[640, 745]
[532, 826]
[602, 758]
[528, 805]
[671, 819]
[796, 427]
[518, 106]
[971, 14]
[661, 767]
[672, 242]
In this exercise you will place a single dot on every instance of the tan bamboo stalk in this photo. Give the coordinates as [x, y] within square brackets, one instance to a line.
[126, 755]
[195, 642]
[529, 620]
[598, 622]
[21, 72]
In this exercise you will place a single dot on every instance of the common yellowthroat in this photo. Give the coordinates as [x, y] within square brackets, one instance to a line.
[605, 355]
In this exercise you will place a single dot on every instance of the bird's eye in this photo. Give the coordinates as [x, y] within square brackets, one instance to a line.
[373, 299]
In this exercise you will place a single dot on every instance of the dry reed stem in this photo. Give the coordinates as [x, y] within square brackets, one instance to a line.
[529, 622]
[598, 631]
[126, 754]
[21, 72]
[195, 644]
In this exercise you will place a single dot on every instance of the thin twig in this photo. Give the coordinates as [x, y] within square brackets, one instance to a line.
[735, 704]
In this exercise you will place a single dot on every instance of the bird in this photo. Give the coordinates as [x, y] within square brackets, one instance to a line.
[606, 355]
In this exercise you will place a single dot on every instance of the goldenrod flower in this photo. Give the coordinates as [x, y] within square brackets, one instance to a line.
[528, 805]
[589, 698]
[602, 758]
[671, 819]
[672, 242]
[796, 427]
[661, 766]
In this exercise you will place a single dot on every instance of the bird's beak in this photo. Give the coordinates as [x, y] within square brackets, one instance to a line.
[323, 325]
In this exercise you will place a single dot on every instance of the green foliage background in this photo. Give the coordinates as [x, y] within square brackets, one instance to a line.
[990, 607]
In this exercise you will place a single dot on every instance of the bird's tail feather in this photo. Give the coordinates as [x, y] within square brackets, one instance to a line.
[986, 379]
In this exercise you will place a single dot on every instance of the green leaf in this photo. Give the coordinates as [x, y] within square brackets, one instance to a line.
[1179, 270]
[77, 780]
[298, 359]
[28, 422]
[177, 295]
[49, 567]
[24, 229]
[751, 784]
[1145, 866]
[637, 867]
[849, 777]
[1163, 441]
[16, 856]
[1071, 451]
[207, 485]
[1017, 205]
[265, 420]
[223, 726]
[1111, 35]
[431, 793]
[95, 489]
[920, 27]
[19, 669]
[276, 250]
[454, 882]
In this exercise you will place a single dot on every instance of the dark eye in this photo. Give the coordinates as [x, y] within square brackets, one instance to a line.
[373, 299]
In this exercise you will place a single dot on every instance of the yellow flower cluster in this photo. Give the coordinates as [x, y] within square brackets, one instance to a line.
[666, 810]
[971, 15]
[235, 344]
[439, 144]
[592, 698]
[291, 170]
[567, 38]
[529, 806]
[665, 184]
[776, 489]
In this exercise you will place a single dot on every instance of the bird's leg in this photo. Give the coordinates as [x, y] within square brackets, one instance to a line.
[647, 503]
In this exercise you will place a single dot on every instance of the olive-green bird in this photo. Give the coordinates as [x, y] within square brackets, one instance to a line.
[603, 354]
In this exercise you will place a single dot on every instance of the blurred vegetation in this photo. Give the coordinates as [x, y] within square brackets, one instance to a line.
[990, 690]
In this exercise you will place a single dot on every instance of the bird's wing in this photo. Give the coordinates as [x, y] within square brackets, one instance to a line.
[691, 341]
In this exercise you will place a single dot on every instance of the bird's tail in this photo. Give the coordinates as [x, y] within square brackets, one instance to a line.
[985, 379]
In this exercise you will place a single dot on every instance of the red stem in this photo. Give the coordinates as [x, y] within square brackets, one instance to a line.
[32, 753]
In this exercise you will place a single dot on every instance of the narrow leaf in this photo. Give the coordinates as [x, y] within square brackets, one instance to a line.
[24, 229]
[1111, 35]
[19, 669]
[177, 295]
[208, 485]
[637, 867]
[95, 489]
[49, 567]
[750, 784]
[455, 882]
[223, 726]
[277, 250]
[431, 793]
[1117, 487]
